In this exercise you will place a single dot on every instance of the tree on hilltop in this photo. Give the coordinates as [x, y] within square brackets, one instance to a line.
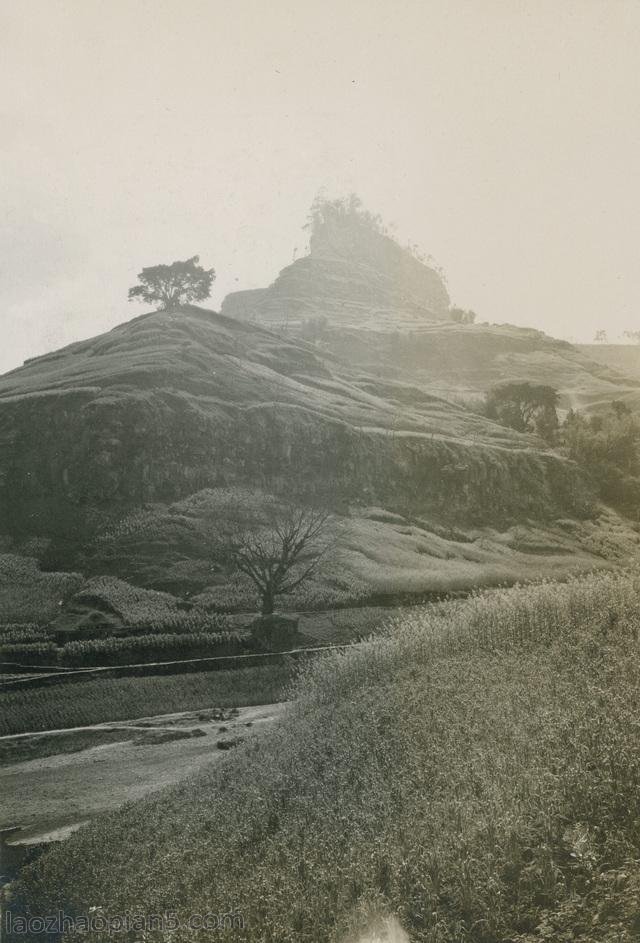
[170, 286]
[349, 209]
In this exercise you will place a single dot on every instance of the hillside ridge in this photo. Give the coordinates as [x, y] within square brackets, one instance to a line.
[171, 403]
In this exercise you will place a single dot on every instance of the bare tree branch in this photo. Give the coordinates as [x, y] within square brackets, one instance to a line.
[271, 554]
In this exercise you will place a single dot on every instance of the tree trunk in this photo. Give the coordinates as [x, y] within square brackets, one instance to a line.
[267, 603]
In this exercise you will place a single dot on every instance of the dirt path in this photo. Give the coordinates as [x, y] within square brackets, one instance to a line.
[52, 795]
[193, 718]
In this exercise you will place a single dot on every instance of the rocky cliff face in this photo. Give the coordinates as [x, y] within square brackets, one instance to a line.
[354, 275]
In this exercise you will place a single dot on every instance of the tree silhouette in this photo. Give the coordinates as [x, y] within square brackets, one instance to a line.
[526, 407]
[281, 553]
[170, 286]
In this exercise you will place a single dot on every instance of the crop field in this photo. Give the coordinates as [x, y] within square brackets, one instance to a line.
[472, 773]
[92, 702]
[29, 596]
[127, 650]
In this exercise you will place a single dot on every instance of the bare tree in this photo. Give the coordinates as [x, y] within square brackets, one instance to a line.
[282, 553]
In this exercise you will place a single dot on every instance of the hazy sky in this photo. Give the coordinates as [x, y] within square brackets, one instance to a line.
[502, 136]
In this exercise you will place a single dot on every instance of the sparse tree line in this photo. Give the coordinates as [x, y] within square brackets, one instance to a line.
[601, 336]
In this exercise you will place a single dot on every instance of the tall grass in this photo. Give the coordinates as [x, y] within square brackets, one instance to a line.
[15, 633]
[474, 772]
[119, 650]
[161, 646]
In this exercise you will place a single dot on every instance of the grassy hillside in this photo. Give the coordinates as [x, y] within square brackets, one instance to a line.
[169, 404]
[461, 362]
[473, 774]
[372, 303]
[377, 559]
[374, 553]
[365, 394]
[622, 357]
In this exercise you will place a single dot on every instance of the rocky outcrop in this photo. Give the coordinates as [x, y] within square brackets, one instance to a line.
[355, 275]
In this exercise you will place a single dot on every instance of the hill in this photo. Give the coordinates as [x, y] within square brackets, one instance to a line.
[168, 404]
[347, 383]
[462, 361]
[373, 304]
[355, 273]
[622, 357]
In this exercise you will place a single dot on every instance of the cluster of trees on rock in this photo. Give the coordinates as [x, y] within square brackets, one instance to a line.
[349, 211]
[324, 212]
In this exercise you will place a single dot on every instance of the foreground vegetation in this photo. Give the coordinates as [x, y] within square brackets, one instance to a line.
[78, 704]
[474, 771]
